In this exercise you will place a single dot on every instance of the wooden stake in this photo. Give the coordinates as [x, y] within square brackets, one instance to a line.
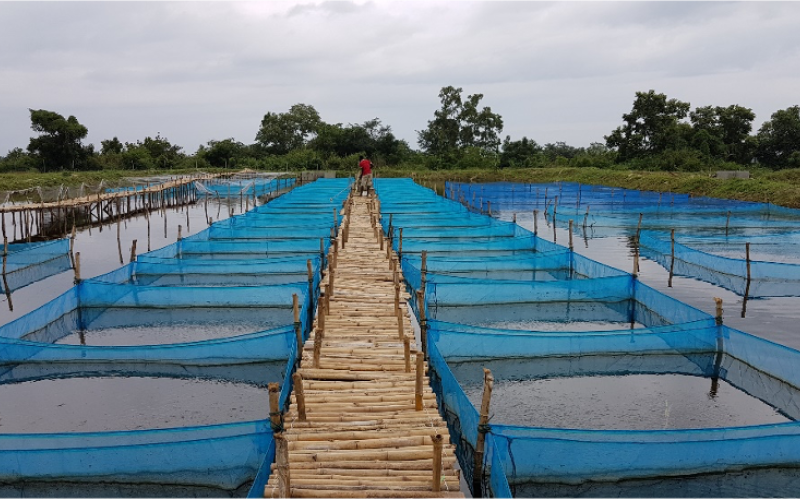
[586, 218]
[718, 317]
[298, 332]
[275, 415]
[407, 352]
[488, 385]
[727, 222]
[535, 222]
[489, 203]
[317, 347]
[77, 267]
[672, 261]
[437, 462]
[418, 385]
[282, 461]
[299, 395]
[133, 251]
[330, 283]
[400, 244]
[570, 235]
[400, 328]
[422, 322]
[514, 218]
[180, 231]
[636, 260]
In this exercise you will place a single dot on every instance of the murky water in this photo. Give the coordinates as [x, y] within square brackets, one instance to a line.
[101, 254]
[93, 404]
[159, 334]
[774, 318]
[631, 402]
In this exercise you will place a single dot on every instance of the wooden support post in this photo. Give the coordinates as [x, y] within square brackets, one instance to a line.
[437, 462]
[299, 396]
[133, 251]
[317, 347]
[718, 315]
[672, 257]
[585, 218]
[298, 332]
[330, 283]
[335, 255]
[275, 414]
[180, 232]
[535, 222]
[400, 327]
[514, 218]
[727, 222]
[119, 241]
[477, 471]
[310, 271]
[418, 384]
[636, 260]
[77, 267]
[489, 210]
[407, 352]
[423, 326]
[282, 462]
[639, 229]
[570, 236]
[400, 244]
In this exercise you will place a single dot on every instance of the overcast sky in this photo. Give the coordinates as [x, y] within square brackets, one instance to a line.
[200, 71]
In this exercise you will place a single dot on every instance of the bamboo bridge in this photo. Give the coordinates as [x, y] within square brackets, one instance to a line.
[363, 420]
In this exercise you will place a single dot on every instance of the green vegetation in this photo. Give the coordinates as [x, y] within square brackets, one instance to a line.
[662, 144]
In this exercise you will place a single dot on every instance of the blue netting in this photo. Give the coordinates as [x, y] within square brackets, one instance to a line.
[234, 188]
[27, 263]
[242, 303]
[722, 261]
[525, 320]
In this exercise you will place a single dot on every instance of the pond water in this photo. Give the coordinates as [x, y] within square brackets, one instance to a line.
[630, 402]
[94, 404]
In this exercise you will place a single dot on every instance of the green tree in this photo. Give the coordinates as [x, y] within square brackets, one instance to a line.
[111, 147]
[282, 132]
[460, 124]
[723, 133]
[653, 126]
[59, 144]
[779, 139]
[225, 153]
[17, 160]
[521, 153]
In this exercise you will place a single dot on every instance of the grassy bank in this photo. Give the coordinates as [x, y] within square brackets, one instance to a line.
[780, 188]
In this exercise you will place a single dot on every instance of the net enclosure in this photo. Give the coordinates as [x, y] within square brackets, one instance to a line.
[27, 263]
[543, 313]
[178, 312]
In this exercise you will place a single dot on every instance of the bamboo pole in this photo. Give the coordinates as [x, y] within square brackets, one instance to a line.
[275, 415]
[636, 261]
[418, 386]
[437, 463]
[672, 257]
[488, 385]
[535, 222]
[119, 241]
[282, 460]
[489, 203]
[570, 236]
[718, 316]
[586, 218]
[330, 282]
[423, 326]
[180, 232]
[727, 222]
[407, 352]
[514, 218]
[298, 332]
[77, 267]
[400, 318]
[133, 251]
[400, 244]
[299, 395]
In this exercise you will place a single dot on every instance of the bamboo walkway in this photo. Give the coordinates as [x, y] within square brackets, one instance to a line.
[361, 423]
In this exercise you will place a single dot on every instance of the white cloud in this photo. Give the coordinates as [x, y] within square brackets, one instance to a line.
[197, 71]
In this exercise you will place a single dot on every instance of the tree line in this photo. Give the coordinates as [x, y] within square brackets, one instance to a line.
[659, 133]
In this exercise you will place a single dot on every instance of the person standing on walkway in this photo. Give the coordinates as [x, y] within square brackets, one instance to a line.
[365, 183]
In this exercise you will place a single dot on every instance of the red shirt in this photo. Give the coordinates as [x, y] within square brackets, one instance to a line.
[366, 166]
